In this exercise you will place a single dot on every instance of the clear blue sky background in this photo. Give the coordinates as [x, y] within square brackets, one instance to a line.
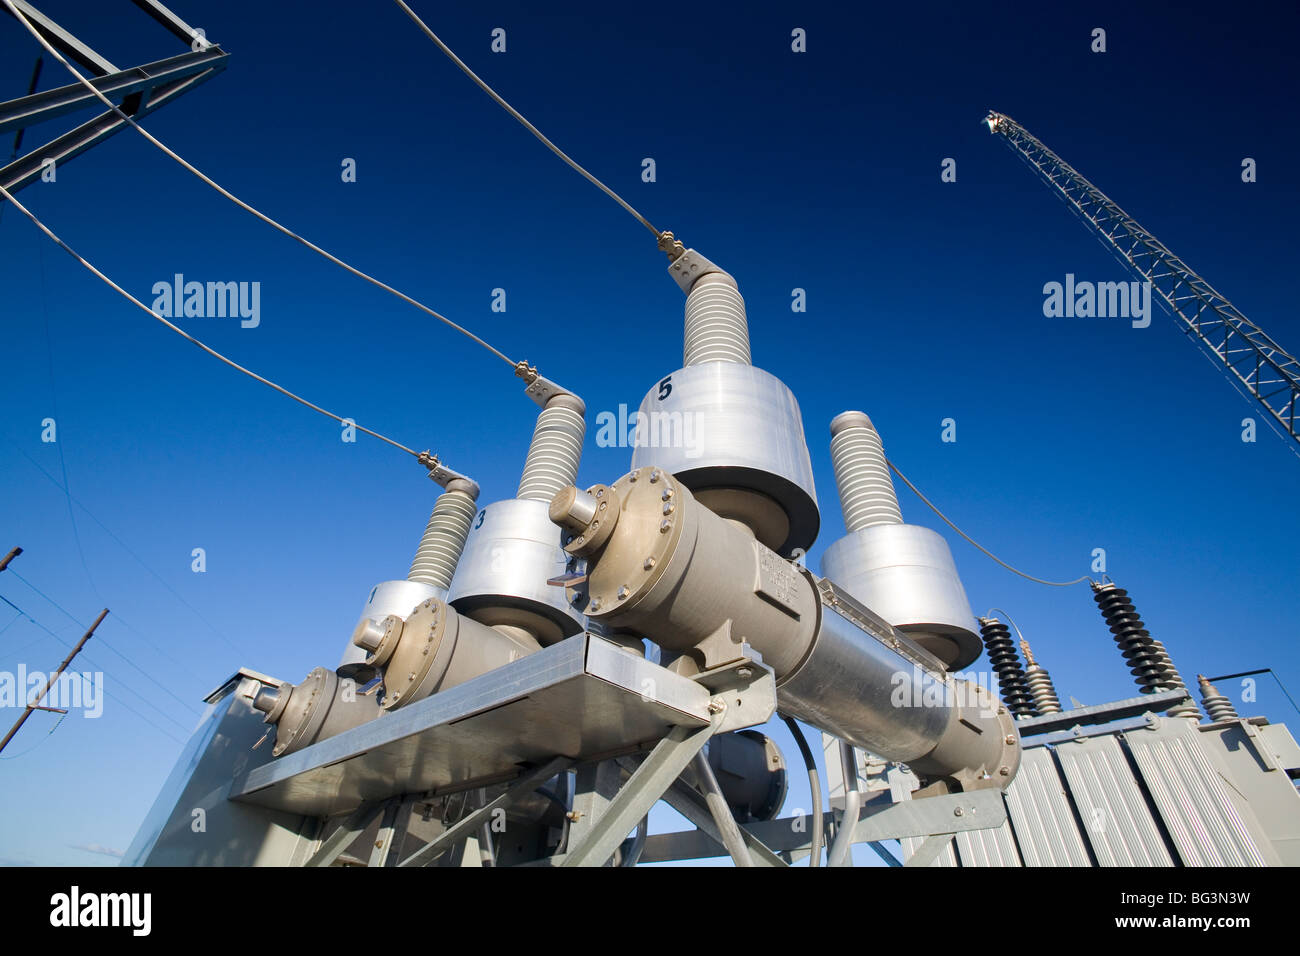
[819, 171]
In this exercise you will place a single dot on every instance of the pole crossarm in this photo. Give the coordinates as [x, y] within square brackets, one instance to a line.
[1245, 352]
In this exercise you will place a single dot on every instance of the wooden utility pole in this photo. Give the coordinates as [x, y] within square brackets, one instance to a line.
[50, 683]
[4, 562]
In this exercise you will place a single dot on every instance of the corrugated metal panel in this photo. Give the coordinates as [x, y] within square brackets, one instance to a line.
[1044, 823]
[1206, 828]
[1116, 820]
[992, 847]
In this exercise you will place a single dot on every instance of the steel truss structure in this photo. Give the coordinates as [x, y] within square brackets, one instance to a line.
[1247, 354]
[137, 91]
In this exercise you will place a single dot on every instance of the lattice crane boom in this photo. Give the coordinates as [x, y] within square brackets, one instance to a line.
[1247, 354]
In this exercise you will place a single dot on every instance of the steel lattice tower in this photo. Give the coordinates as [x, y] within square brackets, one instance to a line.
[1246, 353]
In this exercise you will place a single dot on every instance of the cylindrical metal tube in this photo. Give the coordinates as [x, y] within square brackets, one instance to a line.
[555, 450]
[673, 571]
[321, 706]
[866, 491]
[436, 649]
[396, 598]
[512, 551]
[444, 538]
[842, 849]
[733, 433]
[716, 327]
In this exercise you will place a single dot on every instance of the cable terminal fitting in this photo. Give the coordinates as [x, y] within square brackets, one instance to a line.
[671, 246]
[443, 476]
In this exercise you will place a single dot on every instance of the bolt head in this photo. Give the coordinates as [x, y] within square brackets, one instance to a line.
[1004, 771]
[669, 507]
[958, 811]
[623, 592]
[664, 526]
[654, 476]
[649, 563]
[1009, 739]
[743, 673]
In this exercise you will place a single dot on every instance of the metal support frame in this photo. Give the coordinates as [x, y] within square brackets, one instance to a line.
[1246, 353]
[1095, 714]
[137, 92]
[723, 819]
[345, 833]
[470, 823]
[941, 816]
[691, 804]
[929, 850]
[641, 792]
[392, 831]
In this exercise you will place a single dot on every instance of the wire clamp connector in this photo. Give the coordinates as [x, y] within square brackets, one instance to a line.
[671, 246]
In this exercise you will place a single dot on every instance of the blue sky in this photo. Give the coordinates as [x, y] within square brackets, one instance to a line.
[818, 170]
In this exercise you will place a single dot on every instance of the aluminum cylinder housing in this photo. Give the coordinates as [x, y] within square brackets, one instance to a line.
[512, 551]
[320, 707]
[733, 434]
[397, 598]
[667, 567]
[871, 690]
[664, 566]
[905, 573]
[436, 649]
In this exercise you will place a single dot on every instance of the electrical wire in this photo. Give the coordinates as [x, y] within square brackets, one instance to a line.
[86, 657]
[57, 724]
[814, 784]
[54, 407]
[527, 125]
[104, 643]
[245, 206]
[107, 692]
[139, 560]
[11, 621]
[185, 335]
[916, 491]
[999, 610]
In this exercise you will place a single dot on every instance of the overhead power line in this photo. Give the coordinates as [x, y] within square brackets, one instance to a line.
[518, 366]
[104, 642]
[524, 122]
[185, 335]
[916, 491]
[108, 692]
[125, 547]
